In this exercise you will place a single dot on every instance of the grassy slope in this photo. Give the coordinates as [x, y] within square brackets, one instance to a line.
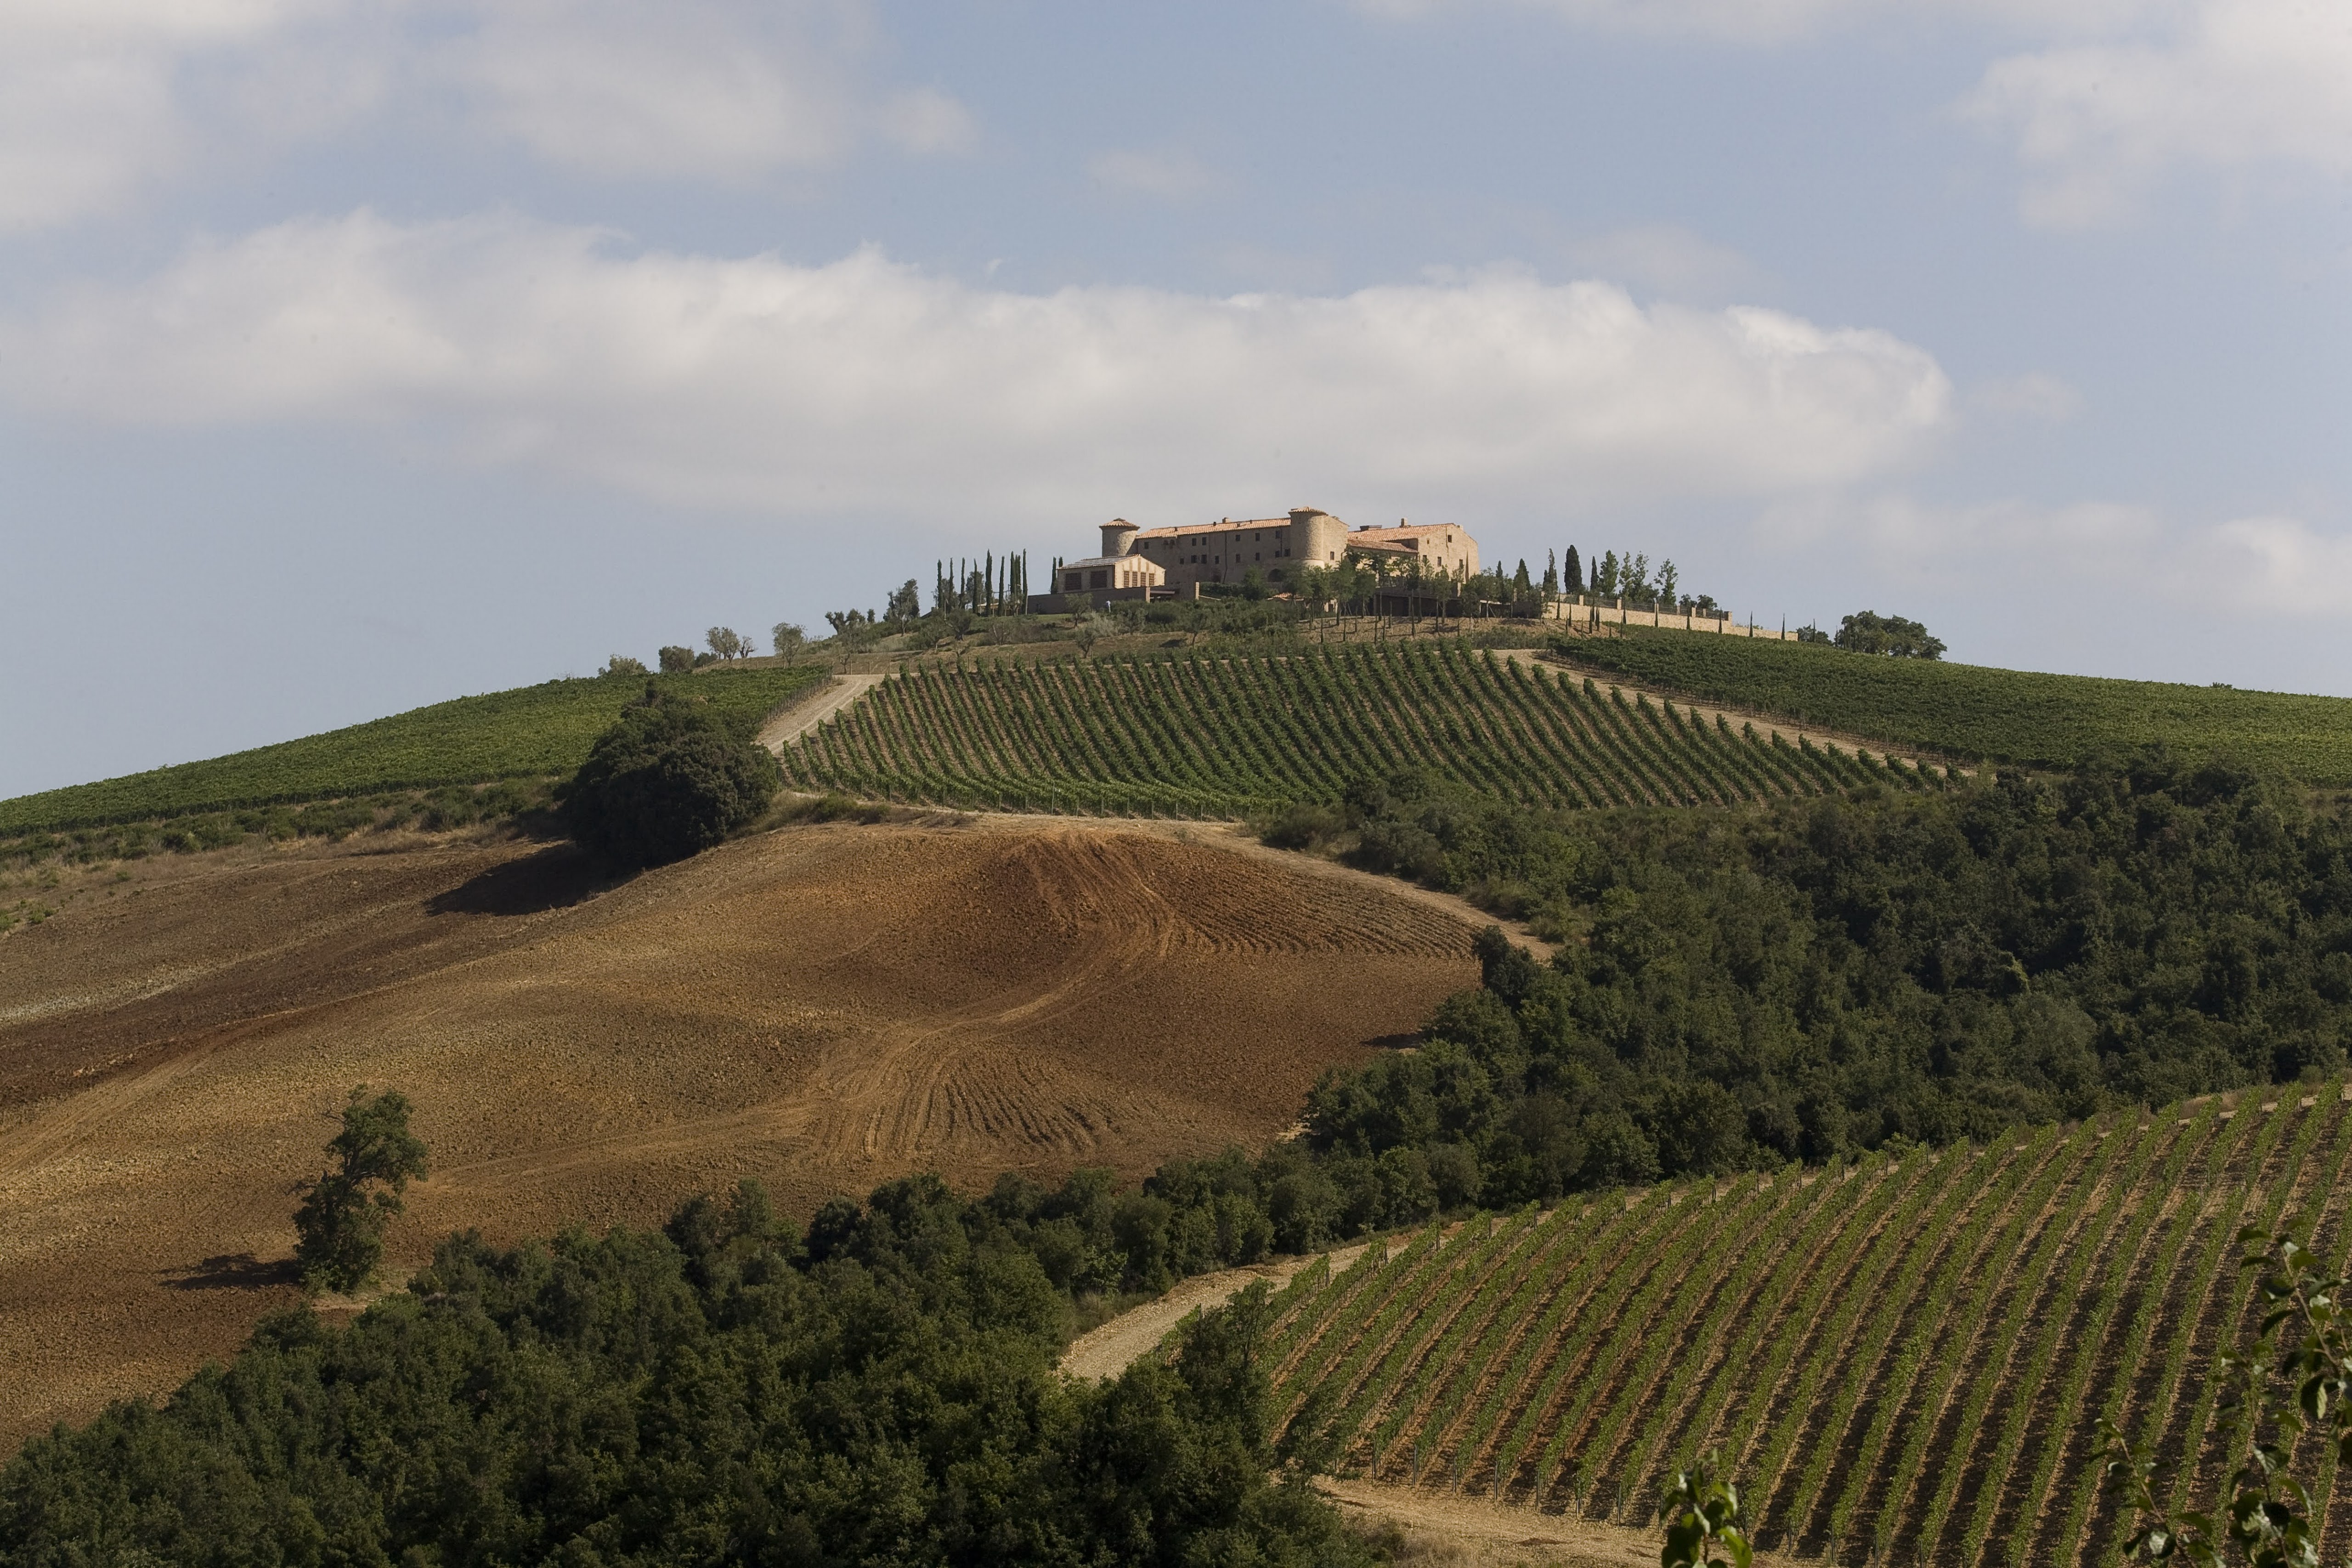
[2004, 715]
[530, 731]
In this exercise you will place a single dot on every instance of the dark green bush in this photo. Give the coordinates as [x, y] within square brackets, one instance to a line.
[671, 780]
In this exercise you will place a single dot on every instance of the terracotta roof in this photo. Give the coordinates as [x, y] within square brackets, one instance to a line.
[1222, 524]
[1373, 536]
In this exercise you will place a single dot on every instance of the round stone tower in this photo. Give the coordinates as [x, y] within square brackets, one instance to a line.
[1118, 536]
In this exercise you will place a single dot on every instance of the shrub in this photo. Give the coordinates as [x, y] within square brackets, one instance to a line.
[623, 664]
[671, 779]
[1302, 828]
[675, 660]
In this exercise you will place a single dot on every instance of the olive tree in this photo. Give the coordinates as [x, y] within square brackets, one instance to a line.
[340, 1227]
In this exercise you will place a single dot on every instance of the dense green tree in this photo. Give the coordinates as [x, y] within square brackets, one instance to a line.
[1866, 631]
[340, 1227]
[670, 779]
[1751, 987]
[905, 607]
[881, 1392]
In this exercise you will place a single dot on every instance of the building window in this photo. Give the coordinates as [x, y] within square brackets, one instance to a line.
[1072, 581]
[1102, 577]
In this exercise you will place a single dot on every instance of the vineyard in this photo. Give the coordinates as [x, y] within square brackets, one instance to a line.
[1970, 710]
[531, 732]
[1902, 1363]
[1223, 736]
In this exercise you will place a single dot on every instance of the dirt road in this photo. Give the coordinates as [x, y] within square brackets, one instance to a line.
[822, 702]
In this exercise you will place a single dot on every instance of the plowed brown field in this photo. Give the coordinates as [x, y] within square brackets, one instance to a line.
[820, 1007]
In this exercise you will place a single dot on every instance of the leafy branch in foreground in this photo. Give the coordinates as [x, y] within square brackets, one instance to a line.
[1703, 1526]
[2269, 1516]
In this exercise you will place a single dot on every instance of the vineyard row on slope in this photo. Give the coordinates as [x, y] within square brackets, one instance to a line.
[1902, 1362]
[1224, 737]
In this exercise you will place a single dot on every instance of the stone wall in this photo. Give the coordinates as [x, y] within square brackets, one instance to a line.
[1615, 613]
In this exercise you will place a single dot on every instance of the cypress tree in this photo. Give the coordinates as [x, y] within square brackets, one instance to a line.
[1573, 579]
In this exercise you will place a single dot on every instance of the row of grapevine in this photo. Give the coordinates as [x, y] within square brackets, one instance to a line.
[1902, 1363]
[1223, 737]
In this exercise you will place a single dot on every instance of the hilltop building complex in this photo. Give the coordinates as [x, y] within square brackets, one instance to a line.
[1169, 562]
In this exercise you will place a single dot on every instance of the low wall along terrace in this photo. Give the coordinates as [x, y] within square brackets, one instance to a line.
[1613, 613]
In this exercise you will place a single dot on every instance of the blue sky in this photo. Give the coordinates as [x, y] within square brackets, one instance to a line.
[356, 356]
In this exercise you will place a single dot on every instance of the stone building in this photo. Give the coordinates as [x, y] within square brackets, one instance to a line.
[1442, 549]
[1225, 551]
[1119, 573]
[1174, 562]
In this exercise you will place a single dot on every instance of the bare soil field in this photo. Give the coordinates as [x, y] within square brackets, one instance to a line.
[820, 1007]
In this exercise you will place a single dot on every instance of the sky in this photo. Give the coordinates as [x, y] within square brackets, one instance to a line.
[357, 357]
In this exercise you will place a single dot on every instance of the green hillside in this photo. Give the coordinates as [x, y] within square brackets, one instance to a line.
[1903, 1363]
[1971, 710]
[531, 732]
[1217, 736]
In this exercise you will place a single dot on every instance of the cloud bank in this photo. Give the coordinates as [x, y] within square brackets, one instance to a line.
[2106, 96]
[100, 100]
[2269, 565]
[755, 383]
[2228, 83]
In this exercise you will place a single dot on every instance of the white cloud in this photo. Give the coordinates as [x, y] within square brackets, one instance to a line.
[2097, 550]
[754, 382]
[2231, 82]
[100, 100]
[1172, 175]
[91, 102]
[691, 87]
[1781, 21]
[2109, 94]
[1978, 543]
[2280, 564]
[2033, 396]
[925, 121]
[1667, 258]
